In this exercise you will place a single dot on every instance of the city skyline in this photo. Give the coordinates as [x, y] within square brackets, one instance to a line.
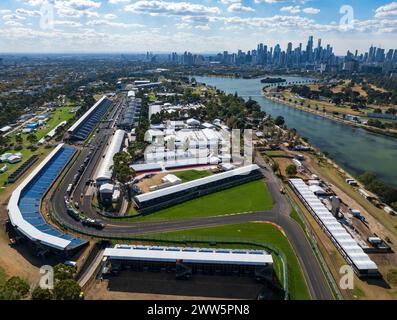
[208, 26]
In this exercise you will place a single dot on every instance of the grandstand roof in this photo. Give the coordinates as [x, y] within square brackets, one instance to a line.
[344, 240]
[87, 114]
[105, 171]
[195, 183]
[189, 255]
[24, 205]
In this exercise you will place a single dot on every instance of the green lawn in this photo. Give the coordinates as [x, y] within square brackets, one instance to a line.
[258, 233]
[294, 215]
[250, 197]
[55, 118]
[26, 154]
[191, 175]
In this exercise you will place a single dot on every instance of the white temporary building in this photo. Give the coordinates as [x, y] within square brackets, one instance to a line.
[196, 183]
[179, 163]
[105, 171]
[189, 255]
[348, 247]
[5, 129]
[52, 133]
[172, 179]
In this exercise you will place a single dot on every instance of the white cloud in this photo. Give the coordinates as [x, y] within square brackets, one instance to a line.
[238, 7]
[13, 23]
[298, 9]
[389, 10]
[291, 9]
[13, 17]
[311, 10]
[119, 1]
[70, 8]
[229, 1]
[164, 8]
[112, 24]
[29, 13]
[110, 16]
[280, 1]
[67, 23]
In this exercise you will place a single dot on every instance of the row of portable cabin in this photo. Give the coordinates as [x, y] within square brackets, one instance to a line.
[347, 246]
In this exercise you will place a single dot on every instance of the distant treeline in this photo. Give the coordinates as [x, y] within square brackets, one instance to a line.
[273, 80]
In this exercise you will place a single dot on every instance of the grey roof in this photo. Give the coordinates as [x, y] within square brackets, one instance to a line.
[339, 234]
[105, 171]
[189, 255]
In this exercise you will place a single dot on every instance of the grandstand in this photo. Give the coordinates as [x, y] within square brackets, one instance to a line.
[186, 261]
[160, 199]
[131, 113]
[24, 206]
[84, 126]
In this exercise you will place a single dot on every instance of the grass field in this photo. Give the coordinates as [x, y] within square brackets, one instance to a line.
[26, 154]
[250, 197]
[294, 215]
[258, 233]
[191, 175]
[3, 276]
[56, 117]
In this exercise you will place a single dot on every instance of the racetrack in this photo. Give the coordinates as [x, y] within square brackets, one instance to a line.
[114, 229]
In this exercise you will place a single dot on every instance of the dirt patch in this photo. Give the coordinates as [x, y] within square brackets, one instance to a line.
[145, 184]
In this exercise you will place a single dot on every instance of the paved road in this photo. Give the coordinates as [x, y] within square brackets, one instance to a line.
[314, 275]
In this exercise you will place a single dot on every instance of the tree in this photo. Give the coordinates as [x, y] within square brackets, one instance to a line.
[291, 170]
[67, 290]
[14, 289]
[63, 272]
[279, 121]
[19, 139]
[123, 171]
[32, 138]
[4, 141]
[275, 167]
[367, 177]
[41, 294]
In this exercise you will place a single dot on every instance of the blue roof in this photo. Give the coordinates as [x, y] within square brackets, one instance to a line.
[30, 200]
[85, 128]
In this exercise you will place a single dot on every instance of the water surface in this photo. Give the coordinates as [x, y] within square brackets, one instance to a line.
[354, 149]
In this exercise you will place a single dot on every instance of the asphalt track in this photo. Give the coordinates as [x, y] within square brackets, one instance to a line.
[279, 215]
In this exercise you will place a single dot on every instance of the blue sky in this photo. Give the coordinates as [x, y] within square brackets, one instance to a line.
[197, 26]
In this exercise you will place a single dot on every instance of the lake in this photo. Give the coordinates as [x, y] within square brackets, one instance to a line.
[354, 149]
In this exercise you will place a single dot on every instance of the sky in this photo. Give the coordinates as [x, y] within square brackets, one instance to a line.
[207, 26]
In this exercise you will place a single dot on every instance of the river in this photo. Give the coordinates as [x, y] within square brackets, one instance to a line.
[354, 149]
